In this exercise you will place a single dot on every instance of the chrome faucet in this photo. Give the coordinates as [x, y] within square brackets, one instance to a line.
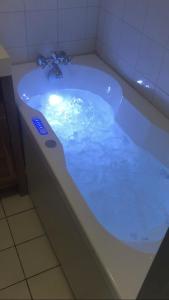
[53, 62]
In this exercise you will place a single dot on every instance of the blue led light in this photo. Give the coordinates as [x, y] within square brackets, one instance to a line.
[39, 126]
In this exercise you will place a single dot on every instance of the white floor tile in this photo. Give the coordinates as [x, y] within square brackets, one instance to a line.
[37, 256]
[50, 285]
[5, 236]
[1, 212]
[17, 291]
[25, 226]
[10, 269]
[15, 204]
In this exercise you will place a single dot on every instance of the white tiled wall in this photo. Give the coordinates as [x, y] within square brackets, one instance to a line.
[28, 27]
[133, 36]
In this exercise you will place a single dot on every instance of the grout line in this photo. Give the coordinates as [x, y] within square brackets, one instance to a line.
[11, 11]
[60, 265]
[48, 238]
[10, 247]
[12, 285]
[35, 275]
[29, 290]
[1, 203]
[18, 256]
[59, 41]
[26, 31]
[57, 24]
[20, 212]
[30, 240]
[3, 218]
[44, 271]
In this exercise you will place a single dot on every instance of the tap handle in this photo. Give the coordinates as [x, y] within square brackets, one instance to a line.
[55, 57]
[60, 57]
[62, 54]
[67, 60]
[41, 61]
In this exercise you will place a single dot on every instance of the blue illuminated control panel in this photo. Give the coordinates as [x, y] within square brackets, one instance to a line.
[39, 126]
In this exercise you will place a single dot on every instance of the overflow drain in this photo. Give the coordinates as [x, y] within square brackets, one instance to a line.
[50, 144]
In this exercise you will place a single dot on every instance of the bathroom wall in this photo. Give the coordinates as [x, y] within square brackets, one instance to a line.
[28, 27]
[133, 37]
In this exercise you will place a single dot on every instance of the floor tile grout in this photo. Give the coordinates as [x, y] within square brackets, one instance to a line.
[21, 212]
[30, 277]
[21, 243]
[6, 287]
[60, 265]
[2, 250]
[3, 210]
[44, 271]
[19, 257]
[30, 240]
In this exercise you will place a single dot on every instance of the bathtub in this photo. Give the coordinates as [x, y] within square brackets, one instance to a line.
[100, 260]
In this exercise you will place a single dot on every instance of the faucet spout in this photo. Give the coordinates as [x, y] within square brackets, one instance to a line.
[53, 62]
[57, 71]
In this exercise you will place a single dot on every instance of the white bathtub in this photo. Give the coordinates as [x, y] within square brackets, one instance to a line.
[98, 262]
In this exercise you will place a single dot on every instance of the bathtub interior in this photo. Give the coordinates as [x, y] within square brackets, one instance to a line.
[40, 82]
[124, 185]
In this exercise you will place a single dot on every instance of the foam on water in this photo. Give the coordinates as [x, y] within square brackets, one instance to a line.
[126, 188]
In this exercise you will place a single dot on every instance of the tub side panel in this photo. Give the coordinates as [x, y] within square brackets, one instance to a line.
[80, 265]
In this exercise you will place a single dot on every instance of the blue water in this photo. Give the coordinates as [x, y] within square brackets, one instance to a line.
[126, 188]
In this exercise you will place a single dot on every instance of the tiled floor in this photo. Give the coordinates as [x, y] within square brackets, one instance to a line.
[29, 268]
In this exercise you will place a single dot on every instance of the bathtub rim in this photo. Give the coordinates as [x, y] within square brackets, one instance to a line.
[81, 211]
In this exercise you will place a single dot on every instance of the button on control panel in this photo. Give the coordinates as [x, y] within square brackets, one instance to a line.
[39, 126]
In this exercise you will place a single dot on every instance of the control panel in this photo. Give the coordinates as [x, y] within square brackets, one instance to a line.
[39, 126]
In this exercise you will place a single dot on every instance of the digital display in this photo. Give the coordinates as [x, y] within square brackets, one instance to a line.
[39, 126]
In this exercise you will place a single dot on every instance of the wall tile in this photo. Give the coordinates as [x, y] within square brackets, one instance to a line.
[12, 29]
[101, 32]
[78, 47]
[93, 2]
[72, 24]
[156, 23]
[129, 43]
[114, 32]
[107, 54]
[18, 55]
[161, 101]
[44, 49]
[41, 4]
[29, 27]
[163, 80]
[72, 3]
[114, 6]
[135, 12]
[11, 5]
[133, 37]
[150, 58]
[125, 69]
[41, 27]
[92, 18]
